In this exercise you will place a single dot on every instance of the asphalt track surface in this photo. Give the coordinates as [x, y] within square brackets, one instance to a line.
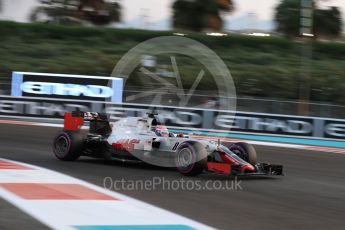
[310, 196]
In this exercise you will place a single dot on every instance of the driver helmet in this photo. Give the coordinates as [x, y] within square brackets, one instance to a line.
[161, 131]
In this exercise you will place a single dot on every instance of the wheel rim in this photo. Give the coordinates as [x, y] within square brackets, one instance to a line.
[240, 152]
[61, 146]
[185, 159]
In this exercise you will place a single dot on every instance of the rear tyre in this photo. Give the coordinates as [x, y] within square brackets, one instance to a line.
[191, 159]
[245, 151]
[68, 145]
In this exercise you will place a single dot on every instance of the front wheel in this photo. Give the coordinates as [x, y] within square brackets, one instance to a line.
[68, 146]
[245, 151]
[191, 159]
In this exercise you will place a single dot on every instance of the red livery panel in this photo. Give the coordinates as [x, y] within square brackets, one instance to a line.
[72, 123]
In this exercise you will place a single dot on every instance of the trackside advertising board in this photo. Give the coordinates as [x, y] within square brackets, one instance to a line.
[182, 118]
[66, 86]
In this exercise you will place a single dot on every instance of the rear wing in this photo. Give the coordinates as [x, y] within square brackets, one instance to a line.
[75, 120]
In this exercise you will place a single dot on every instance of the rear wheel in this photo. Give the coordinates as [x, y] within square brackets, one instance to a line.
[245, 151]
[191, 159]
[68, 146]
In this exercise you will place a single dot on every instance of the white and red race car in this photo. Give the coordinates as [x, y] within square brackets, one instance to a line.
[145, 139]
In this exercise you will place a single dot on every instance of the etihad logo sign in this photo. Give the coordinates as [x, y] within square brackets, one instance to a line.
[47, 88]
[190, 120]
[67, 86]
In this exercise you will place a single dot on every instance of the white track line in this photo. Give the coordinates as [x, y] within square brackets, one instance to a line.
[281, 145]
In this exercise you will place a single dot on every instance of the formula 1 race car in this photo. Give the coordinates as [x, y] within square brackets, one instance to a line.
[146, 139]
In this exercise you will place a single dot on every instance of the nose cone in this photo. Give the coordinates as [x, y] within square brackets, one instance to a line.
[248, 168]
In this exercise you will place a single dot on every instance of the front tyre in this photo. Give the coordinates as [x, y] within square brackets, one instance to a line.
[245, 151]
[191, 159]
[68, 145]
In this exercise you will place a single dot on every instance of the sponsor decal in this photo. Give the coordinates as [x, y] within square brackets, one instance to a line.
[77, 87]
[335, 129]
[66, 89]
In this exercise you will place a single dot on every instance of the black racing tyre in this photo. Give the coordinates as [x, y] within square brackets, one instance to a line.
[191, 159]
[245, 151]
[68, 146]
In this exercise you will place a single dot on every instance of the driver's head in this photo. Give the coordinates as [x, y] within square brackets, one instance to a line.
[161, 131]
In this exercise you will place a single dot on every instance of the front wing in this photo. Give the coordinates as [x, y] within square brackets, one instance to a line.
[262, 169]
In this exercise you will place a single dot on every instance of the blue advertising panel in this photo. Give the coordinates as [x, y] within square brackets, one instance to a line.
[67, 86]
